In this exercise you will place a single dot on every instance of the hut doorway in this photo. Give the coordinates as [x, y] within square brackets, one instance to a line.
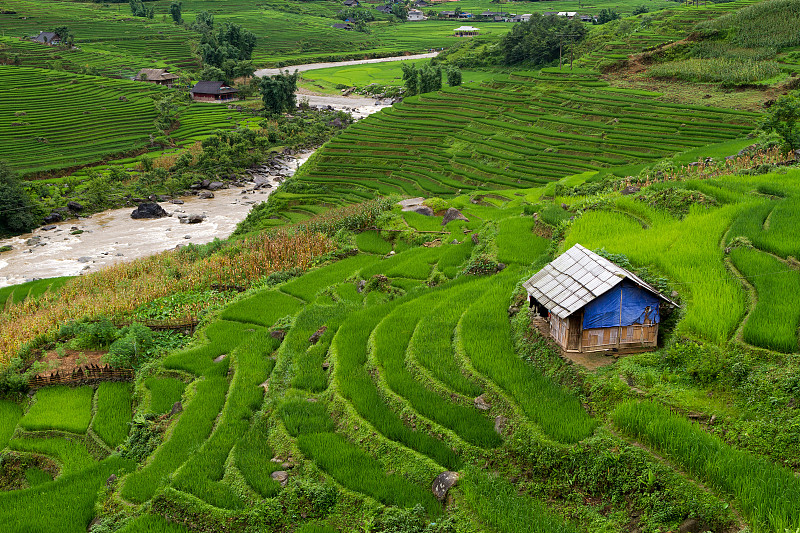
[574, 328]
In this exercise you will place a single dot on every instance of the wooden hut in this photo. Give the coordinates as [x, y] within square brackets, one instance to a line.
[159, 76]
[212, 91]
[466, 31]
[594, 305]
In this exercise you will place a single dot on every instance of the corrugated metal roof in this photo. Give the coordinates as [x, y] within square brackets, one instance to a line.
[575, 278]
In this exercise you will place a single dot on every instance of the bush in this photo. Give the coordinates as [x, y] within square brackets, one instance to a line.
[132, 348]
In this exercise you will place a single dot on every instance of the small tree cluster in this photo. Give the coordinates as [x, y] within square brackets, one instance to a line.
[422, 80]
[138, 9]
[783, 119]
[607, 15]
[17, 210]
[175, 12]
[277, 92]
[539, 40]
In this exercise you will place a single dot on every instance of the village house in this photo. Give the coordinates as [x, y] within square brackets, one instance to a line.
[496, 16]
[593, 305]
[569, 14]
[351, 3]
[466, 31]
[421, 3]
[159, 76]
[385, 9]
[415, 15]
[521, 18]
[47, 37]
[212, 91]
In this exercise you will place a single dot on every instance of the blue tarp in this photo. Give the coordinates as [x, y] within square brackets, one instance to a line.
[624, 305]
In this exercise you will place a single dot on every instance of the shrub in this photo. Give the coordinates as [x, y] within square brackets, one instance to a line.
[132, 348]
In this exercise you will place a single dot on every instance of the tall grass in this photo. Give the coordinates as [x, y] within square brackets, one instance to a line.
[772, 226]
[355, 469]
[65, 505]
[454, 256]
[719, 69]
[191, 431]
[307, 286]
[10, 413]
[390, 342]
[308, 358]
[263, 308]
[432, 343]
[70, 453]
[151, 523]
[112, 421]
[61, 408]
[372, 243]
[164, 392]
[687, 251]
[499, 505]
[350, 348]
[252, 455]
[223, 336]
[485, 337]
[774, 321]
[765, 492]
[516, 243]
[125, 286]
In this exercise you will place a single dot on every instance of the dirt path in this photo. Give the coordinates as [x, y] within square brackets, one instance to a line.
[313, 66]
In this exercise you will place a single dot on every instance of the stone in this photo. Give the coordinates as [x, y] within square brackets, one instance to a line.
[281, 476]
[187, 236]
[33, 241]
[111, 480]
[453, 214]
[220, 358]
[206, 195]
[205, 183]
[177, 202]
[482, 404]
[500, 423]
[411, 202]
[148, 210]
[314, 339]
[177, 407]
[454, 241]
[215, 186]
[475, 239]
[277, 334]
[84, 259]
[501, 266]
[74, 206]
[360, 285]
[49, 227]
[287, 465]
[422, 210]
[443, 483]
[194, 219]
[630, 189]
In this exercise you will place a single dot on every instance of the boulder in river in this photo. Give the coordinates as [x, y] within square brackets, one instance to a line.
[215, 185]
[53, 218]
[206, 195]
[148, 210]
[74, 206]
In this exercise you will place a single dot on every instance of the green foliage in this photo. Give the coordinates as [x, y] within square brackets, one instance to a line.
[516, 243]
[607, 15]
[454, 77]
[175, 12]
[303, 417]
[764, 491]
[23, 510]
[783, 119]
[371, 242]
[251, 455]
[352, 467]
[60, 408]
[164, 392]
[537, 41]
[231, 43]
[138, 9]
[278, 92]
[726, 71]
[499, 505]
[263, 308]
[143, 439]
[114, 412]
[32, 289]
[307, 286]
[152, 523]
[131, 349]
[772, 23]
[10, 413]
[70, 454]
[89, 335]
[17, 209]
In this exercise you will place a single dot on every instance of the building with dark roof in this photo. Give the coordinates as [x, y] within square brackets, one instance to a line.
[159, 76]
[47, 37]
[212, 91]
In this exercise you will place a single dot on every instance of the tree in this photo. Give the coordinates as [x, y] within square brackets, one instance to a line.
[641, 9]
[607, 15]
[175, 11]
[277, 92]
[17, 210]
[65, 35]
[232, 41]
[430, 78]
[138, 9]
[540, 40]
[410, 78]
[400, 11]
[453, 76]
[210, 73]
[203, 22]
[783, 119]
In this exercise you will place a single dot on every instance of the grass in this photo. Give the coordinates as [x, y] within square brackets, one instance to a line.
[10, 413]
[774, 321]
[721, 70]
[485, 338]
[307, 287]
[164, 392]
[112, 421]
[307, 357]
[60, 408]
[263, 308]
[499, 505]
[390, 341]
[252, 454]
[191, 431]
[223, 336]
[152, 523]
[350, 348]
[352, 467]
[31, 289]
[36, 476]
[516, 243]
[65, 505]
[766, 493]
[71, 454]
[371, 242]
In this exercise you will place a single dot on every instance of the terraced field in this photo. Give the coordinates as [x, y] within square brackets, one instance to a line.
[512, 136]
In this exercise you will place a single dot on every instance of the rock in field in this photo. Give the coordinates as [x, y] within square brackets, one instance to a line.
[281, 476]
[443, 483]
[148, 210]
[423, 210]
[453, 214]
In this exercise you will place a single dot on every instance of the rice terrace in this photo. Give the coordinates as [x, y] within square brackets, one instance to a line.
[500, 266]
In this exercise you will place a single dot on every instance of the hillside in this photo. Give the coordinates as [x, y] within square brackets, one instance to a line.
[346, 363]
